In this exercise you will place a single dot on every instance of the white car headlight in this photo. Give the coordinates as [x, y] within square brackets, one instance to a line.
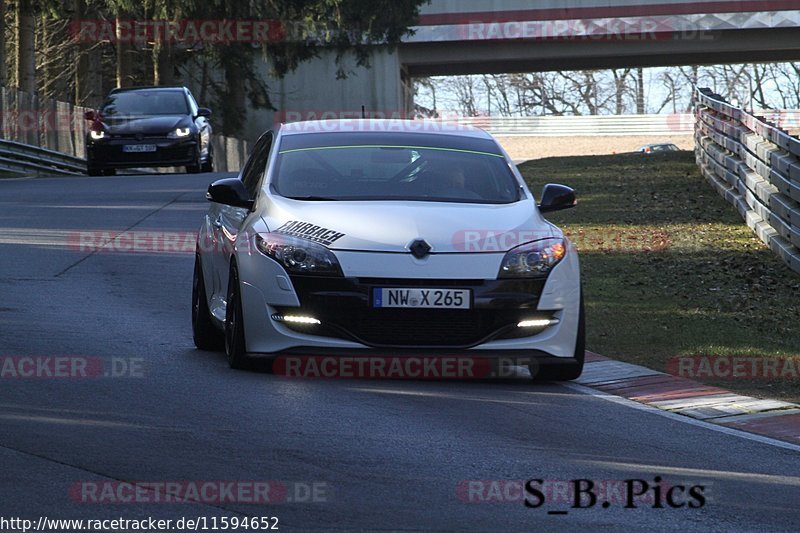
[298, 256]
[97, 135]
[533, 259]
[179, 133]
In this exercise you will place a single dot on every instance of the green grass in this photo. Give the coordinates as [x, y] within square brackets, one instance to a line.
[670, 269]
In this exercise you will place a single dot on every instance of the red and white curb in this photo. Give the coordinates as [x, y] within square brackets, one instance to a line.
[771, 418]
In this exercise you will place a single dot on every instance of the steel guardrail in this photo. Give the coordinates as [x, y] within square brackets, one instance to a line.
[25, 158]
[585, 125]
[754, 165]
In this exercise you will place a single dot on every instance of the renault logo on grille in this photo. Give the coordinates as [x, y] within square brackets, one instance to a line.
[420, 248]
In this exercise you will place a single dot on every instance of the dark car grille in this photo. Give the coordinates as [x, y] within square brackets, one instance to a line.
[138, 136]
[419, 328]
[114, 153]
[423, 327]
[343, 307]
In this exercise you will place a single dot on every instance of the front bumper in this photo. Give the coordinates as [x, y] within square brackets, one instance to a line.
[343, 306]
[169, 152]
[350, 325]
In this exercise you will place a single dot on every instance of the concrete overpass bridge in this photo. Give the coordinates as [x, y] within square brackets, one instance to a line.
[475, 36]
[498, 36]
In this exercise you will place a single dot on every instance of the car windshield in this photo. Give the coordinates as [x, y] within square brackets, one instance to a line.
[394, 168]
[138, 103]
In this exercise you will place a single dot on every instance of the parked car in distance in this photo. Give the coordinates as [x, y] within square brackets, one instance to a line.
[658, 148]
[149, 127]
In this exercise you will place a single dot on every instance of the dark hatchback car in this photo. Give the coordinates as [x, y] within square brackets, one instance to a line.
[149, 127]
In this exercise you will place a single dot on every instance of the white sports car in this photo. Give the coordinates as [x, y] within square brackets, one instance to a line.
[358, 237]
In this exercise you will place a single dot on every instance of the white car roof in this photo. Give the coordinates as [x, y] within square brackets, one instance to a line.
[371, 125]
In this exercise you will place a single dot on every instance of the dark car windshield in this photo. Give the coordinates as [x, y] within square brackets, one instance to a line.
[137, 103]
[393, 167]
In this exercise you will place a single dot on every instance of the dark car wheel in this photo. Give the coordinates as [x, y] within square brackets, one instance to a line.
[195, 168]
[234, 324]
[92, 171]
[110, 172]
[567, 370]
[206, 335]
[208, 166]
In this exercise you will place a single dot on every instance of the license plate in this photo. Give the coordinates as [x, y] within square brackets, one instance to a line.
[139, 148]
[422, 298]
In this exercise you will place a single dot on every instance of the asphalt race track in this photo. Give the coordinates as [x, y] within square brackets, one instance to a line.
[337, 454]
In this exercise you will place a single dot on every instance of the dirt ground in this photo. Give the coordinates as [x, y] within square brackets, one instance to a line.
[524, 148]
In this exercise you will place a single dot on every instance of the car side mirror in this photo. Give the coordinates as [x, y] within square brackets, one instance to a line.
[230, 191]
[90, 115]
[203, 112]
[557, 197]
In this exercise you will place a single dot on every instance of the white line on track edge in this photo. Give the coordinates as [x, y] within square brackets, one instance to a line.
[682, 418]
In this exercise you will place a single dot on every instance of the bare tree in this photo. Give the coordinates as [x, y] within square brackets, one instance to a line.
[465, 90]
[88, 73]
[26, 47]
[621, 88]
[3, 67]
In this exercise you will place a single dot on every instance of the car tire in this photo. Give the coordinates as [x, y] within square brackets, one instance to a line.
[568, 370]
[110, 172]
[93, 171]
[195, 168]
[206, 335]
[208, 166]
[235, 347]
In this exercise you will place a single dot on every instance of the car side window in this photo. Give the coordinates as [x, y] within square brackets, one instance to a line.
[254, 169]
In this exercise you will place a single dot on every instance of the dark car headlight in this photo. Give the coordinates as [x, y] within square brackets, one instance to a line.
[298, 256]
[533, 259]
[179, 133]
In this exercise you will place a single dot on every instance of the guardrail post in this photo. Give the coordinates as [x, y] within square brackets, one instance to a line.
[220, 155]
[233, 152]
[31, 121]
[79, 131]
[12, 118]
[50, 124]
[63, 127]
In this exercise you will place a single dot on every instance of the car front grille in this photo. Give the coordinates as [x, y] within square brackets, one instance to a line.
[417, 327]
[114, 153]
[343, 306]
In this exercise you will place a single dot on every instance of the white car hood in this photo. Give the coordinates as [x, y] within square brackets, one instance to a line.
[391, 226]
